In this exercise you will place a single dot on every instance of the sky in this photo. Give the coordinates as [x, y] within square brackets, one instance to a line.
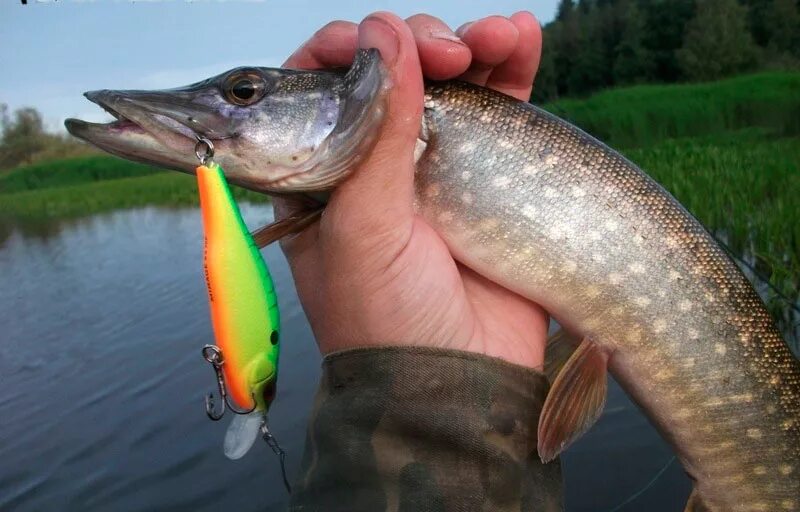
[51, 51]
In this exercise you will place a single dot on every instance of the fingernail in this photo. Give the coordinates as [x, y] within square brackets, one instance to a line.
[376, 33]
[445, 35]
[462, 30]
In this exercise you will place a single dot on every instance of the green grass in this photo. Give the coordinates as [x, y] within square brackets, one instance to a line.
[71, 171]
[162, 188]
[644, 115]
[729, 151]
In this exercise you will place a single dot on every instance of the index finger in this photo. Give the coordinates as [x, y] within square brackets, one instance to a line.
[334, 45]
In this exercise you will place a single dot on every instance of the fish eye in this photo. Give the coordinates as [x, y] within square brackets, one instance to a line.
[244, 88]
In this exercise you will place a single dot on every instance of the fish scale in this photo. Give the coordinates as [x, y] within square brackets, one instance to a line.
[544, 209]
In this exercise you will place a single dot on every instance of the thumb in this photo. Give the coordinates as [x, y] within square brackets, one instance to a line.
[378, 198]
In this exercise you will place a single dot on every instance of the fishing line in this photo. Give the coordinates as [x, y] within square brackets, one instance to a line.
[646, 487]
[280, 452]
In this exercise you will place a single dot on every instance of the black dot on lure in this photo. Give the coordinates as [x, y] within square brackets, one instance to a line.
[269, 392]
[273, 338]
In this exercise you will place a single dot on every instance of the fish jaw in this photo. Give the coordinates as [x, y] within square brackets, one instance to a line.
[303, 131]
[159, 128]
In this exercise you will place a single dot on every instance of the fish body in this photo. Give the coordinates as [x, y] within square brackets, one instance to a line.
[544, 209]
[244, 307]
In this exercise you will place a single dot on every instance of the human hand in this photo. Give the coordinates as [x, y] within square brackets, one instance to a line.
[372, 272]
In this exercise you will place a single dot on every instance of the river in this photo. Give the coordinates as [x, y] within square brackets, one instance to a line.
[101, 324]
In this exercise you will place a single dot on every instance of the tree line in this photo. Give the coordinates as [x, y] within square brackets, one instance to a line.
[596, 44]
[590, 45]
[24, 139]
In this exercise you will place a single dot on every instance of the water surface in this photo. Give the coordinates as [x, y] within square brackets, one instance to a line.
[101, 325]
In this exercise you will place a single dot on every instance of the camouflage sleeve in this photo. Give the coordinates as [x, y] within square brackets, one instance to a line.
[423, 430]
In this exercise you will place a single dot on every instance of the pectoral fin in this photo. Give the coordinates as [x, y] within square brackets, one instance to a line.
[560, 347]
[575, 401]
[285, 227]
[695, 503]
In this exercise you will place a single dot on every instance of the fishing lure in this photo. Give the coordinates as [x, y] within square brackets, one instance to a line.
[244, 314]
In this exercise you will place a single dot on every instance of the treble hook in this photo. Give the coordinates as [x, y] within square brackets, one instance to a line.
[213, 354]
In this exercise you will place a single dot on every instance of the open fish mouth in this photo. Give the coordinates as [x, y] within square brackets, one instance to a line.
[121, 123]
[151, 127]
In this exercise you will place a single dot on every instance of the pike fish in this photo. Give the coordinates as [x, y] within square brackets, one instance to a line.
[546, 210]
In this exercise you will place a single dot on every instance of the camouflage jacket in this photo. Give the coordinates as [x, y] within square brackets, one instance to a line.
[423, 430]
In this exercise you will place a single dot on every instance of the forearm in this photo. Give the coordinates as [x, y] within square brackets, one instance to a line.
[423, 430]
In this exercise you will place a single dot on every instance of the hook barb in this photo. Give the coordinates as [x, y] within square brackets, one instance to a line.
[212, 414]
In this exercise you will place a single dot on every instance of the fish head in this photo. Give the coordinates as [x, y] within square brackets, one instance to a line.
[273, 130]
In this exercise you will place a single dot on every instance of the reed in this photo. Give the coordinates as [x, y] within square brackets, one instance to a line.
[644, 115]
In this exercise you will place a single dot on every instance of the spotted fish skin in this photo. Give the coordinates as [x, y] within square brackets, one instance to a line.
[546, 210]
